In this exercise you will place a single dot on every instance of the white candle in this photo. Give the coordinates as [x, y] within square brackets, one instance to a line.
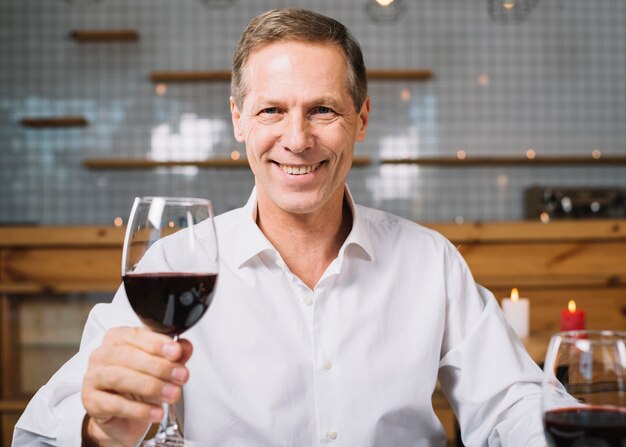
[516, 313]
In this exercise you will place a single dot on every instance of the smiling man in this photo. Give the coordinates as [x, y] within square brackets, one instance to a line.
[300, 124]
[331, 322]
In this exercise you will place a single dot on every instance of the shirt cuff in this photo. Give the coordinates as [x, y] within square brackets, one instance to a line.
[70, 429]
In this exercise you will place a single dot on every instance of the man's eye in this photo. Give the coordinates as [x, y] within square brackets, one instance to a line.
[323, 110]
[270, 110]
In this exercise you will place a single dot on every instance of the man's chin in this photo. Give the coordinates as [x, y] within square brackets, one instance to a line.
[299, 203]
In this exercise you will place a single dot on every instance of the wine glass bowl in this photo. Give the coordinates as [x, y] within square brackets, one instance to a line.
[169, 271]
[584, 389]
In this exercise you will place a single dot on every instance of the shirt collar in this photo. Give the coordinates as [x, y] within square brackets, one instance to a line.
[360, 234]
[251, 241]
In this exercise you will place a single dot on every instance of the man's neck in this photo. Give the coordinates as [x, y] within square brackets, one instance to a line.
[308, 243]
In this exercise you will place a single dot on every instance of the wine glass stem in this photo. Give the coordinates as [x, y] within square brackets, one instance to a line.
[169, 426]
[168, 433]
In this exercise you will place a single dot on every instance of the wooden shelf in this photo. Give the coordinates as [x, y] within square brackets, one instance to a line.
[59, 287]
[400, 75]
[61, 236]
[138, 163]
[54, 121]
[224, 75]
[532, 231]
[105, 35]
[190, 76]
[607, 160]
[555, 161]
[13, 406]
[49, 344]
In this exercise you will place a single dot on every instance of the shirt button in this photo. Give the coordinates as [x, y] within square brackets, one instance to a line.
[332, 435]
[279, 263]
[307, 300]
[327, 365]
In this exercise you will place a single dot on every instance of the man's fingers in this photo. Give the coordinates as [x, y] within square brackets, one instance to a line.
[138, 360]
[144, 339]
[150, 342]
[141, 386]
[187, 348]
[102, 406]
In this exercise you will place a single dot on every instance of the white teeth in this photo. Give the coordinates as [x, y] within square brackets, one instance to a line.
[295, 170]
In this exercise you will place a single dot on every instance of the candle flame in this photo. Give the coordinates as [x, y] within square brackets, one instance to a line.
[571, 306]
[514, 294]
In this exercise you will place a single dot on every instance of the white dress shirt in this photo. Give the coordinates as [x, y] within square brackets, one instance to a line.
[352, 363]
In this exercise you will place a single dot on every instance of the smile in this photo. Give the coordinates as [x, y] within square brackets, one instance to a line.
[299, 170]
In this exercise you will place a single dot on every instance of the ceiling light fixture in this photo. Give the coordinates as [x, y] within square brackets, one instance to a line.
[217, 3]
[510, 11]
[384, 11]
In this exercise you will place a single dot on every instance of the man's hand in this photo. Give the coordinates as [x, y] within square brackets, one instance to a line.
[128, 377]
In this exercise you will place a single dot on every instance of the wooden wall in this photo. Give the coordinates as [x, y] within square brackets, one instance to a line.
[49, 274]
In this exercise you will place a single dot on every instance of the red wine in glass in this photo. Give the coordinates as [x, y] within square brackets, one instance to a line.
[169, 302]
[586, 426]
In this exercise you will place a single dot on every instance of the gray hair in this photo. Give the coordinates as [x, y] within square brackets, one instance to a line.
[285, 24]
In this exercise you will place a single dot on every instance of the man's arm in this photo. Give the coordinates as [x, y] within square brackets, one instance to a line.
[494, 385]
[488, 377]
[103, 375]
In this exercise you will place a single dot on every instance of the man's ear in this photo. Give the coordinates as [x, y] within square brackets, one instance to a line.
[363, 120]
[235, 115]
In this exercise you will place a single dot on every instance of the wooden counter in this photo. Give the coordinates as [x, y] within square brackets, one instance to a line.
[549, 263]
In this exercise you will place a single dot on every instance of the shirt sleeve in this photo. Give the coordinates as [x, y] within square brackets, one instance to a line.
[55, 414]
[492, 384]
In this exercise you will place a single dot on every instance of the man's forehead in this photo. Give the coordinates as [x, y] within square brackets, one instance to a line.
[280, 48]
[285, 58]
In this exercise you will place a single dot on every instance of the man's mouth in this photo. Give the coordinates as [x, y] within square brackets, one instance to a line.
[299, 170]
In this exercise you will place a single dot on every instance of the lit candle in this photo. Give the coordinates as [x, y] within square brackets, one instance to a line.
[516, 313]
[572, 319]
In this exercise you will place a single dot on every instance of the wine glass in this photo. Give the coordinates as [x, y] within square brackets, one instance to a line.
[584, 389]
[169, 271]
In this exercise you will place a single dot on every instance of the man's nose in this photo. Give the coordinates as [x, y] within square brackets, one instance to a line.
[297, 134]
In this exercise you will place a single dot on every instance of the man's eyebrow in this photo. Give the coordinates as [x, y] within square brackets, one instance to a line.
[329, 101]
[326, 100]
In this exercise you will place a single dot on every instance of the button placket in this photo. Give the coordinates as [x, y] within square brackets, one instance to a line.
[325, 386]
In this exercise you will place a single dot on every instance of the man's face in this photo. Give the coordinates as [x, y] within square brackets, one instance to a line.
[299, 125]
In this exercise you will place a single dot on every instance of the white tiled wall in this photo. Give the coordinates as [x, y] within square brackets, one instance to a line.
[555, 82]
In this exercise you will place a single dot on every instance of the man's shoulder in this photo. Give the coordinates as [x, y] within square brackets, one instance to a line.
[390, 225]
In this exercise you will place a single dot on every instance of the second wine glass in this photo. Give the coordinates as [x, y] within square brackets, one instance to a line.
[584, 389]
